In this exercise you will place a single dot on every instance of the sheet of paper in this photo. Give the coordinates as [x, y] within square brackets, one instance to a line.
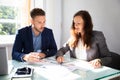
[74, 65]
[71, 67]
[44, 61]
[56, 72]
[85, 66]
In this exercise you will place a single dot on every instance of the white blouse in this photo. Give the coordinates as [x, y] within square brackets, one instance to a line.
[80, 51]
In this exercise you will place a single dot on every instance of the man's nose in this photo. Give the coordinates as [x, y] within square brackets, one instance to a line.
[42, 24]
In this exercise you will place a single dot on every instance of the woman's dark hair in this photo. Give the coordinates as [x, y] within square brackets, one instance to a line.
[88, 27]
[37, 12]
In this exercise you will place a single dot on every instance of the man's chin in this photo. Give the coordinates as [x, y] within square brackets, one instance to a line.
[41, 30]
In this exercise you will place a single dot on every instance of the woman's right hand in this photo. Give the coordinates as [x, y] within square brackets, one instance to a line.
[60, 59]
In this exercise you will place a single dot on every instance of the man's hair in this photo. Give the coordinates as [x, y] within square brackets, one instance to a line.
[37, 12]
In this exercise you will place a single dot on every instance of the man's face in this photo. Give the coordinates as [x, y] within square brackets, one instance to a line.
[39, 23]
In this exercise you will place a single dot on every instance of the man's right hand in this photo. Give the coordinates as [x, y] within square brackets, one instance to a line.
[32, 57]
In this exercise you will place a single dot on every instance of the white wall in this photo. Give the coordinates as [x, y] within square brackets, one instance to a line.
[105, 15]
[53, 18]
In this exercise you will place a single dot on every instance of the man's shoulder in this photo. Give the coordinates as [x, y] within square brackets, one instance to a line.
[47, 29]
[24, 29]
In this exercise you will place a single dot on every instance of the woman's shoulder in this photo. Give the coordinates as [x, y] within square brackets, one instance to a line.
[95, 32]
[98, 34]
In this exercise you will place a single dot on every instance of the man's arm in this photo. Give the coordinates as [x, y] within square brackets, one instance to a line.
[52, 47]
[17, 48]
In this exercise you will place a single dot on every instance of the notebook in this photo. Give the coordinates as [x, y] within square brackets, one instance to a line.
[4, 69]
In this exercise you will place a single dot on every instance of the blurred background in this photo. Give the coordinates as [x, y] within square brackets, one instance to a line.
[59, 14]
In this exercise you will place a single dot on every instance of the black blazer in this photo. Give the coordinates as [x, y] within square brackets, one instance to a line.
[24, 43]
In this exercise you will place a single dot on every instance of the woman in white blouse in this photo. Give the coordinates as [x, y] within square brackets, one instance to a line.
[85, 43]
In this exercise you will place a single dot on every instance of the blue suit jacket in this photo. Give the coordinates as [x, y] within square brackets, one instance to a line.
[24, 43]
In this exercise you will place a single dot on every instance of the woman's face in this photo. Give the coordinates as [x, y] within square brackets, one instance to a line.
[78, 24]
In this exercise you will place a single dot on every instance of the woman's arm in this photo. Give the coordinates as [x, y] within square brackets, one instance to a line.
[105, 55]
[62, 50]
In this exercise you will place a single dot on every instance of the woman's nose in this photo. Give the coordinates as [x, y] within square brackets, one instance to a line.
[76, 25]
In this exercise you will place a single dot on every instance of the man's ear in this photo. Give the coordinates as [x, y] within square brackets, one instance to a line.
[32, 22]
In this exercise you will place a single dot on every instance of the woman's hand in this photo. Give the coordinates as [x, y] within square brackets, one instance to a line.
[60, 59]
[96, 63]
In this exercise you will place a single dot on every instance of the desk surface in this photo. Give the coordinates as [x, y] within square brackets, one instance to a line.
[84, 74]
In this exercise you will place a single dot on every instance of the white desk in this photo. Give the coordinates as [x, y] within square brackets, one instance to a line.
[104, 74]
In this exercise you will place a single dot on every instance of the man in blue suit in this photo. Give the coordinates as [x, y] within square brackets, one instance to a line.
[34, 42]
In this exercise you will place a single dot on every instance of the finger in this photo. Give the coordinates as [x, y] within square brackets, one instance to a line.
[97, 65]
[33, 59]
[93, 63]
[60, 59]
[34, 56]
[42, 55]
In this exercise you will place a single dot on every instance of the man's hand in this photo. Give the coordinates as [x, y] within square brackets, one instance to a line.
[42, 55]
[33, 57]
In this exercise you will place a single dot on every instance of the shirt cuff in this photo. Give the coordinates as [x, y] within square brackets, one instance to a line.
[22, 58]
